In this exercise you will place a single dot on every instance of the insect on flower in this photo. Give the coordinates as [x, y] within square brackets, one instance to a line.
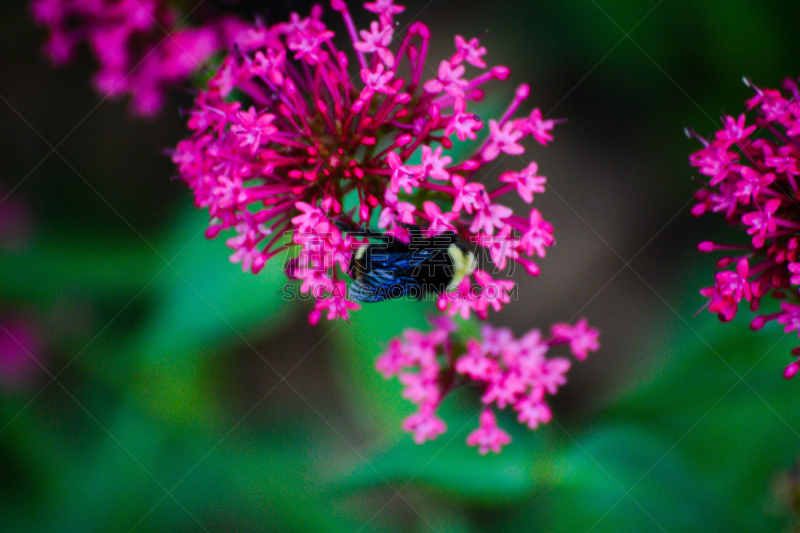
[292, 128]
[393, 268]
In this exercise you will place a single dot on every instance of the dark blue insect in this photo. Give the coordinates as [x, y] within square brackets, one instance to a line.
[393, 269]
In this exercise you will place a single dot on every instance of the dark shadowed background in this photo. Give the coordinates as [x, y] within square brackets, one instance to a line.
[157, 403]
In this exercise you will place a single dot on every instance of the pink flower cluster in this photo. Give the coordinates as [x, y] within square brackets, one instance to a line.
[510, 372]
[752, 169]
[290, 139]
[21, 351]
[138, 44]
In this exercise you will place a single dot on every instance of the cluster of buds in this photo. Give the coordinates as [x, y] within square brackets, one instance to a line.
[752, 170]
[140, 49]
[510, 372]
[289, 140]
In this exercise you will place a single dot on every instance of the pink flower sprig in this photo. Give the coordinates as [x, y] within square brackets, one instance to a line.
[291, 127]
[510, 373]
[140, 49]
[752, 169]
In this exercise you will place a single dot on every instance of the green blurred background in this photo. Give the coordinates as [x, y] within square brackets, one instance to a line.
[175, 393]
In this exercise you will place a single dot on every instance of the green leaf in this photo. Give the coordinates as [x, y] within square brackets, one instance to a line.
[624, 478]
[375, 400]
[201, 305]
[450, 468]
[719, 406]
[76, 263]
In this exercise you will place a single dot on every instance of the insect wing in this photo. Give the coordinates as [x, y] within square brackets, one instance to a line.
[385, 275]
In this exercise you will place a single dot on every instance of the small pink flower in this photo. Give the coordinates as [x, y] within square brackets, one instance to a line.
[728, 291]
[394, 360]
[724, 200]
[762, 222]
[312, 220]
[536, 126]
[488, 436]
[526, 180]
[440, 222]
[424, 345]
[735, 129]
[752, 184]
[538, 236]
[404, 177]
[496, 341]
[724, 306]
[552, 374]
[376, 82]
[402, 212]
[449, 79]
[502, 246]
[460, 302]
[494, 293]
[435, 163]
[785, 162]
[790, 317]
[425, 426]
[269, 64]
[419, 388]
[252, 128]
[489, 217]
[504, 390]
[336, 305]
[715, 161]
[384, 7]
[471, 196]
[533, 412]
[735, 284]
[581, 338]
[316, 282]
[469, 51]
[476, 364]
[250, 235]
[502, 140]
[376, 40]
[463, 124]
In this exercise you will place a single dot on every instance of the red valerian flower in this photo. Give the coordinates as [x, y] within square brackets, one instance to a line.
[510, 372]
[21, 351]
[752, 171]
[138, 44]
[292, 144]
